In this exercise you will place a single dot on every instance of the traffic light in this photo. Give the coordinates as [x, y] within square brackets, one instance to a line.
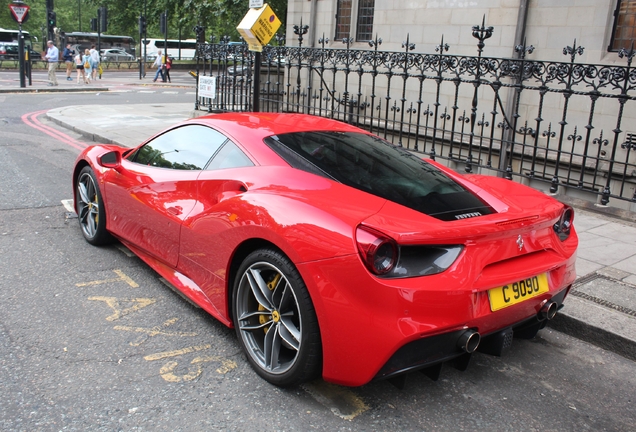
[94, 24]
[52, 20]
[142, 24]
[163, 23]
[103, 16]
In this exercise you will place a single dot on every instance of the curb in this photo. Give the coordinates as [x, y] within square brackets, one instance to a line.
[595, 335]
[53, 90]
[90, 136]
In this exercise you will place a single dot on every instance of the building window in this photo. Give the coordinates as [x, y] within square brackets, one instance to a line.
[624, 31]
[365, 20]
[343, 19]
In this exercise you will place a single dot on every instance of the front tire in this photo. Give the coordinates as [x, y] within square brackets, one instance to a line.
[275, 320]
[90, 208]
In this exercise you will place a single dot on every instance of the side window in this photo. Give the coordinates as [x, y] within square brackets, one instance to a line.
[189, 147]
[230, 156]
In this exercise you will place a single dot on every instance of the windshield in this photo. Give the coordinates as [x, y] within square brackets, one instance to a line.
[373, 165]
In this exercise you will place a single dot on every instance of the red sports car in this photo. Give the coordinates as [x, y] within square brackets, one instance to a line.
[331, 251]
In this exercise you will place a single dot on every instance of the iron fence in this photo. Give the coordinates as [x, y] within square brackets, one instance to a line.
[541, 122]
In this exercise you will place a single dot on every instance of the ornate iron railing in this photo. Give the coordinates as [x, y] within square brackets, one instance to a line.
[556, 123]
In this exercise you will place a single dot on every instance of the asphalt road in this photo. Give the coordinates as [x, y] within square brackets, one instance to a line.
[92, 339]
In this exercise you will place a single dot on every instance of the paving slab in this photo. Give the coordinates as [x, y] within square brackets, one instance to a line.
[599, 310]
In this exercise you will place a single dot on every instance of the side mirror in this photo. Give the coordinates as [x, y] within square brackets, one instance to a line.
[110, 160]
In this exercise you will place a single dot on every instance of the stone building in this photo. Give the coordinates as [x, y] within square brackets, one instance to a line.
[601, 26]
[586, 142]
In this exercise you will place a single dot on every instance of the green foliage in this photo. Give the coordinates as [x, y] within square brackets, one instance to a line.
[219, 17]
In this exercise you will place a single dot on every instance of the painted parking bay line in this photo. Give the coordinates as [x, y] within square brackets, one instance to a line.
[115, 304]
[339, 400]
[154, 331]
[121, 277]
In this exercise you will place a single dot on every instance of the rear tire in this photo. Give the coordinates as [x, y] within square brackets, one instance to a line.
[90, 208]
[275, 320]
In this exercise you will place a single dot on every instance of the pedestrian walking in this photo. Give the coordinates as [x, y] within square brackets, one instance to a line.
[86, 61]
[67, 55]
[159, 65]
[79, 65]
[94, 62]
[168, 67]
[52, 56]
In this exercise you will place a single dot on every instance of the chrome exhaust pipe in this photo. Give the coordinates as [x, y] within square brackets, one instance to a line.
[548, 311]
[468, 341]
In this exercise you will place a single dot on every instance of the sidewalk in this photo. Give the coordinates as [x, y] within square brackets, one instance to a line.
[111, 80]
[601, 307]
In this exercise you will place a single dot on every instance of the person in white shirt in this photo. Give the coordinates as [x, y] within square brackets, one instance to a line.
[159, 65]
[94, 62]
[52, 56]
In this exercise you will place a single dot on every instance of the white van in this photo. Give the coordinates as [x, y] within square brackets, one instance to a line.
[184, 49]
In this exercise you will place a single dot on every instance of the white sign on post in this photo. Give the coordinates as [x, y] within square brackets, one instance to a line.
[256, 4]
[19, 12]
[207, 87]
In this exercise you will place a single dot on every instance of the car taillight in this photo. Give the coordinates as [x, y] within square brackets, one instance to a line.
[564, 225]
[378, 252]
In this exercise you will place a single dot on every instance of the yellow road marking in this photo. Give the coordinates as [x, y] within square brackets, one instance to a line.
[226, 365]
[339, 400]
[154, 331]
[166, 354]
[167, 370]
[122, 277]
[114, 304]
[167, 374]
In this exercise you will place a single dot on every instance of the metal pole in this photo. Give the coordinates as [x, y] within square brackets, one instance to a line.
[257, 81]
[99, 29]
[21, 55]
[141, 64]
[165, 48]
[145, 36]
[79, 14]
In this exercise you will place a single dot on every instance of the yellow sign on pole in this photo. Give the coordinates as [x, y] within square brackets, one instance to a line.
[258, 27]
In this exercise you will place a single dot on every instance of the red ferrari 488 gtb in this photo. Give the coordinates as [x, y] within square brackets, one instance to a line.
[331, 251]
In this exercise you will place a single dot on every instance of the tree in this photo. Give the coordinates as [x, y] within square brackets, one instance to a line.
[219, 17]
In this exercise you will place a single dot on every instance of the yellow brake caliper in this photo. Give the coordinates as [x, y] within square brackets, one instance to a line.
[97, 215]
[270, 285]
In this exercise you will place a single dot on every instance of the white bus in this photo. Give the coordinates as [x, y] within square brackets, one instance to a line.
[178, 49]
[81, 41]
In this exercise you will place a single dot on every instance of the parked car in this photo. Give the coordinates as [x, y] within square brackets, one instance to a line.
[9, 51]
[332, 252]
[115, 54]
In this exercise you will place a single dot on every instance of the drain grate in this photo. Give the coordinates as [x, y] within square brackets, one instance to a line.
[582, 282]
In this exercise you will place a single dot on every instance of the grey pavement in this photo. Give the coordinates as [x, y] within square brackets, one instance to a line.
[601, 308]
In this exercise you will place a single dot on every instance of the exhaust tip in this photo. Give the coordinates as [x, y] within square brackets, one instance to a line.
[469, 341]
[548, 311]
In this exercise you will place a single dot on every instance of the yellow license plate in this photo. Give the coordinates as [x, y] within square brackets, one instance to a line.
[516, 292]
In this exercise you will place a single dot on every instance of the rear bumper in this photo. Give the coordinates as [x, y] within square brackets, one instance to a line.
[431, 351]
[373, 328]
